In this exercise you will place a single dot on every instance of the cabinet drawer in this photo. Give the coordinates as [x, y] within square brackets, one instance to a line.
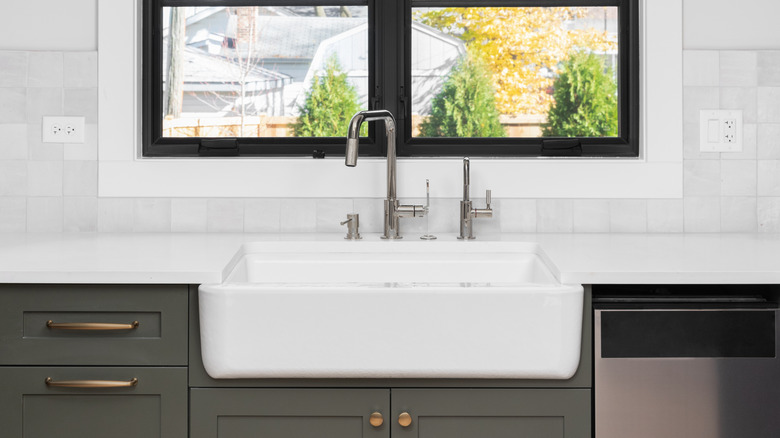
[93, 325]
[154, 407]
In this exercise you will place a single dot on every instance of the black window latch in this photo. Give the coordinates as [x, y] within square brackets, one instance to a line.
[562, 148]
[221, 147]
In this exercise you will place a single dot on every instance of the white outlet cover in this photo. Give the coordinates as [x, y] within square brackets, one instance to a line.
[712, 131]
[63, 129]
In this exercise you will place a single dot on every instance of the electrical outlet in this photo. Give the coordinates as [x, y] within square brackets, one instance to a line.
[720, 131]
[63, 129]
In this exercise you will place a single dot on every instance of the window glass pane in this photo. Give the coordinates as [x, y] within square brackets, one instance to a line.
[515, 72]
[293, 71]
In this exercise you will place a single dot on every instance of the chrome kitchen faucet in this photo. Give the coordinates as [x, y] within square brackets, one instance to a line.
[467, 212]
[393, 210]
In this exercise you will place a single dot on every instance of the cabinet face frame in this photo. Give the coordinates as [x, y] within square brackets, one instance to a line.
[167, 384]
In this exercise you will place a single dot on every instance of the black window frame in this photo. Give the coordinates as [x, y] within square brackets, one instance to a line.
[389, 85]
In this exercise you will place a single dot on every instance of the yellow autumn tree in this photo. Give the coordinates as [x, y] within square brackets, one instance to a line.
[523, 47]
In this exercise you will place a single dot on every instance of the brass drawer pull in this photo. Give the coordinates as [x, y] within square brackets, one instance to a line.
[90, 325]
[405, 420]
[92, 383]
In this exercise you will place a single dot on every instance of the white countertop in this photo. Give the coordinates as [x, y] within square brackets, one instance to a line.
[200, 258]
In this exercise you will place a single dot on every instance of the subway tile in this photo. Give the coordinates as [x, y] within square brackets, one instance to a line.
[13, 178]
[13, 215]
[13, 141]
[738, 178]
[44, 178]
[14, 107]
[80, 178]
[590, 215]
[518, 216]
[80, 214]
[43, 102]
[298, 216]
[554, 216]
[738, 214]
[115, 215]
[701, 178]
[262, 215]
[769, 68]
[749, 134]
[330, 212]
[768, 140]
[444, 218]
[768, 177]
[691, 145]
[665, 216]
[189, 215]
[38, 150]
[701, 68]
[225, 215]
[738, 68]
[80, 70]
[152, 215]
[371, 211]
[741, 98]
[628, 216]
[13, 69]
[702, 214]
[81, 102]
[769, 215]
[44, 69]
[44, 215]
[769, 105]
[696, 99]
[87, 150]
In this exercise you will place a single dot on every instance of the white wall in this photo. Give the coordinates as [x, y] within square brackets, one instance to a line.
[48, 25]
[731, 24]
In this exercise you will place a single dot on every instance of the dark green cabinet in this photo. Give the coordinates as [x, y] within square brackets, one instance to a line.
[288, 413]
[155, 407]
[494, 413]
[430, 413]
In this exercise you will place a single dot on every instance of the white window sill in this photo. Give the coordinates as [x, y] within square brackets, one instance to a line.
[657, 174]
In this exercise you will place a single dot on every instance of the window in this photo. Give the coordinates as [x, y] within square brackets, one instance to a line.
[479, 78]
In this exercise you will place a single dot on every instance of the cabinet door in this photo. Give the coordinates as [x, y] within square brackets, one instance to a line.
[288, 413]
[493, 413]
[155, 407]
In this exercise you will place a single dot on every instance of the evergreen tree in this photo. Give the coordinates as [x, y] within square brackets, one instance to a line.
[585, 100]
[330, 104]
[466, 104]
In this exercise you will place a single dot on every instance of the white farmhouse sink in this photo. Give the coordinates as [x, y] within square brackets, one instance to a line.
[391, 310]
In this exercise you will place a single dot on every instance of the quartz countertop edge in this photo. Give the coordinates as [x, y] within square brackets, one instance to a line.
[197, 258]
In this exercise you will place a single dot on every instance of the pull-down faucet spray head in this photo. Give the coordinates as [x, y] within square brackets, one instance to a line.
[353, 139]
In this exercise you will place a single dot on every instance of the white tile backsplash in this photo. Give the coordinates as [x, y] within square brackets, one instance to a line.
[189, 215]
[738, 178]
[738, 68]
[665, 216]
[45, 69]
[52, 187]
[13, 66]
[768, 104]
[44, 215]
[13, 141]
[591, 215]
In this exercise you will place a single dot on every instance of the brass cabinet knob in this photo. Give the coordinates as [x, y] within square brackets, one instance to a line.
[405, 419]
[376, 419]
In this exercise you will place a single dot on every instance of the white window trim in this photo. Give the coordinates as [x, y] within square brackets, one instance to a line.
[657, 173]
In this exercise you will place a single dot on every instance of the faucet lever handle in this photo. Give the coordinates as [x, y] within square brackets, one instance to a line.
[488, 198]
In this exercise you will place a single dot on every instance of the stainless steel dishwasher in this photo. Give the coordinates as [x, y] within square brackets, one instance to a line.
[690, 366]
